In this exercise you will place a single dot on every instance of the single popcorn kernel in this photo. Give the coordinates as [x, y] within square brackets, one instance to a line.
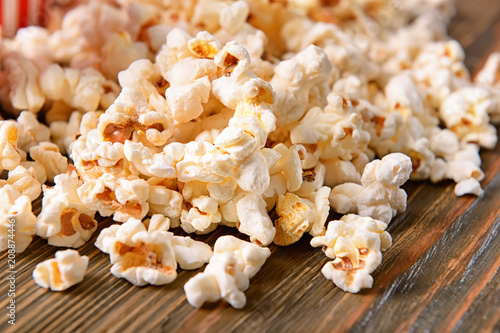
[67, 269]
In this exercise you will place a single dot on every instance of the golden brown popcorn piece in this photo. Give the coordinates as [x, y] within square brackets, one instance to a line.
[293, 220]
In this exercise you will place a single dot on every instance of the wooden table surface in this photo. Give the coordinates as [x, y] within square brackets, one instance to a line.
[440, 275]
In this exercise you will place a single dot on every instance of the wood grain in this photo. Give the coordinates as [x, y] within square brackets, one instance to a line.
[440, 275]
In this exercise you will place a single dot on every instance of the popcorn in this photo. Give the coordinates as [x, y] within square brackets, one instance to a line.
[119, 51]
[355, 243]
[290, 165]
[295, 80]
[31, 131]
[199, 214]
[186, 101]
[468, 186]
[337, 130]
[250, 257]
[148, 161]
[298, 215]
[129, 115]
[254, 220]
[22, 74]
[150, 255]
[64, 219]
[145, 77]
[251, 117]
[17, 207]
[227, 275]
[84, 90]
[24, 181]
[121, 197]
[488, 78]
[164, 197]
[137, 255]
[379, 195]
[10, 156]
[465, 112]
[64, 133]
[48, 155]
[190, 254]
[63, 272]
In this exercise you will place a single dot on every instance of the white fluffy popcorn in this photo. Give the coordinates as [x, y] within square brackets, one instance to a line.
[64, 133]
[25, 182]
[199, 214]
[164, 197]
[31, 132]
[121, 197]
[355, 243]
[379, 195]
[254, 220]
[149, 255]
[465, 112]
[139, 256]
[64, 219]
[337, 129]
[25, 92]
[227, 275]
[296, 79]
[17, 222]
[10, 156]
[67, 269]
[48, 155]
[489, 78]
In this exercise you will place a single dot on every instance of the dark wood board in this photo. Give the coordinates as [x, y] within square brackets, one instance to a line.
[440, 275]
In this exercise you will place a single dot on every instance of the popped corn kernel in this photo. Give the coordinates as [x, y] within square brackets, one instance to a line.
[227, 275]
[67, 269]
[15, 212]
[64, 219]
[356, 244]
[379, 195]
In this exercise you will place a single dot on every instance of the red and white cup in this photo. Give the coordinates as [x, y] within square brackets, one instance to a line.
[15, 14]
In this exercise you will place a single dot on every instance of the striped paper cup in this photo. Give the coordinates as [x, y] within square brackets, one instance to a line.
[15, 14]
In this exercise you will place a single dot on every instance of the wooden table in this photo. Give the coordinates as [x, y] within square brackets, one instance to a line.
[440, 275]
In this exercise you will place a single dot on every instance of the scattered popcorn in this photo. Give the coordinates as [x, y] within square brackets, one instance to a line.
[227, 274]
[63, 272]
[355, 243]
[255, 115]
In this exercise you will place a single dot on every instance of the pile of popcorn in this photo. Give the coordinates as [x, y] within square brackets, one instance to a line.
[195, 114]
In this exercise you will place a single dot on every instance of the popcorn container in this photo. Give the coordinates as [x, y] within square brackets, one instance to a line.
[15, 14]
